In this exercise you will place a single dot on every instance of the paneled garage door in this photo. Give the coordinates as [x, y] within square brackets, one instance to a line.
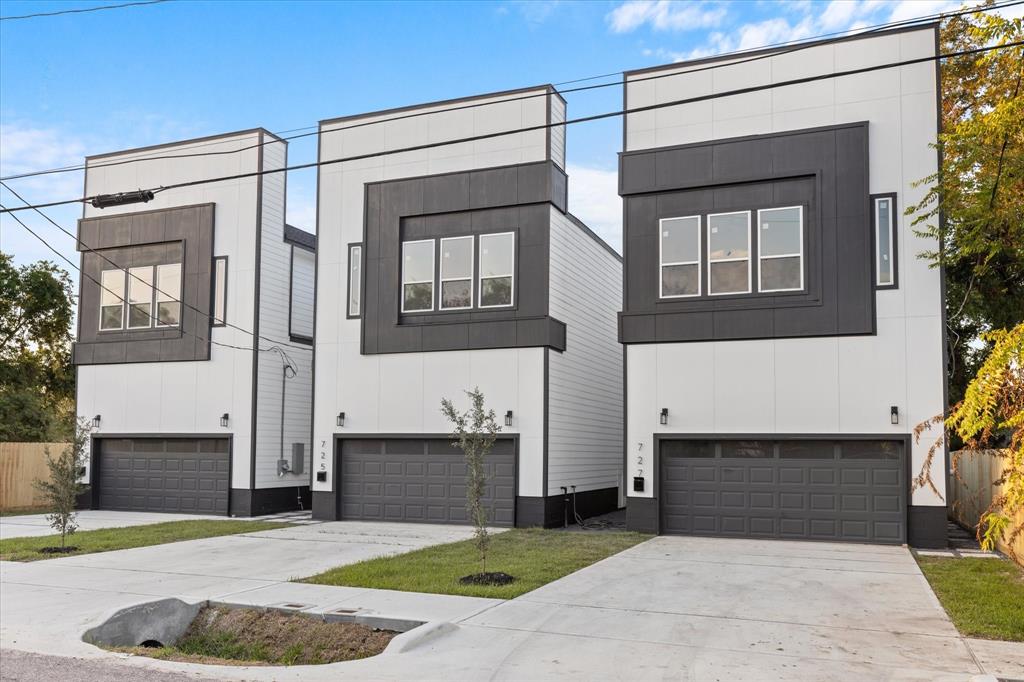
[853, 490]
[182, 475]
[421, 480]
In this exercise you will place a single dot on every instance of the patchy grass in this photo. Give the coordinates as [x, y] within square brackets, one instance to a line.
[983, 597]
[231, 636]
[533, 556]
[110, 539]
[23, 511]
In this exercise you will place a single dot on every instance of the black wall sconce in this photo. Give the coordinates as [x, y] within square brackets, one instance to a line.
[340, 421]
[508, 418]
[96, 422]
[894, 415]
[224, 420]
[663, 416]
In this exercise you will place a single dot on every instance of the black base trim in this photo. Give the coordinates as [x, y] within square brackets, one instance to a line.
[325, 505]
[263, 501]
[642, 514]
[556, 511]
[926, 527]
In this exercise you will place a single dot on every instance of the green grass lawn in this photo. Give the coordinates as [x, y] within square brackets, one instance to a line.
[983, 597]
[109, 539]
[533, 556]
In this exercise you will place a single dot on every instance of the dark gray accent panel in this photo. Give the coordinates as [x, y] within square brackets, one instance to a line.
[506, 199]
[180, 475]
[806, 490]
[642, 514]
[825, 170]
[182, 234]
[927, 527]
[325, 505]
[420, 480]
[245, 502]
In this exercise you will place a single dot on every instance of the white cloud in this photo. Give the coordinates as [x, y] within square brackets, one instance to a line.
[911, 9]
[594, 199]
[664, 15]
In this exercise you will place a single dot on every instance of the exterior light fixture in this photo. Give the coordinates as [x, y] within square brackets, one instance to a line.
[508, 418]
[663, 416]
[894, 415]
[224, 420]
[341, 419]
[121, 198]
[96, 422]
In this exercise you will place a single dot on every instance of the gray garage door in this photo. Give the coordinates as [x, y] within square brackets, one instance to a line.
[182, 475]
[811, 490]
[421, 480]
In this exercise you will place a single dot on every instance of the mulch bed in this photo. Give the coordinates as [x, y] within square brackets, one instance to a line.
[486, 579]
[57, 550]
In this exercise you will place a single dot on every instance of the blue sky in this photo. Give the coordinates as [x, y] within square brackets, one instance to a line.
[90, 83]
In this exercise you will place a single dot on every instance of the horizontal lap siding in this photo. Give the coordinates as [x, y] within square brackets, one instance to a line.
[584, 382]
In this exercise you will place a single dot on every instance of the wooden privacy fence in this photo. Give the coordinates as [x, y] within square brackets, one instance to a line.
[20, 465]
[972, 492]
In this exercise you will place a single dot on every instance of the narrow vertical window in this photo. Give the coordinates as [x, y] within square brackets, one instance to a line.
[885, 241]
[497, 269]
[680, 256]
[780, 246]
[140, 297]
[456, 273]
[729, 253]
[112, 299]
[418, 276]
[220, 290]
[355, 279]
[168, 295]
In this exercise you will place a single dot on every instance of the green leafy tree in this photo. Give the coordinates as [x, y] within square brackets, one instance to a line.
[37, 381]
[61, 490]
[475, 431]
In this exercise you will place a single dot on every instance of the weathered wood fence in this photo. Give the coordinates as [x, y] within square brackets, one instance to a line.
[973, 491]
[20, 465]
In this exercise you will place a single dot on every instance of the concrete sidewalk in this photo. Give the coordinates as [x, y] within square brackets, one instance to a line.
[34, 525]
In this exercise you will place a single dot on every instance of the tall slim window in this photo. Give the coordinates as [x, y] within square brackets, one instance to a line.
[112, 299]
[680, 256]
[355, 278]
[168, 295]
[729, 253]
[885, 241]
[780, 245]
[497, 269]
[456, 273]
[140, 297]
[418, 276]
[220, 290]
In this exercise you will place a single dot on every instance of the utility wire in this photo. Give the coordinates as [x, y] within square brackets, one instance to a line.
[545, 126]
[84, 9]
[803, 45]
[205, 314]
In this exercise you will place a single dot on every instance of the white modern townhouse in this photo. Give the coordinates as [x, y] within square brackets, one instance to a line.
[783, 338]
[452, 267]
[190, 412]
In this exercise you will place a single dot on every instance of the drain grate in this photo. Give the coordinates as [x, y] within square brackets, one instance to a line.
[291, 606]
[344, 611]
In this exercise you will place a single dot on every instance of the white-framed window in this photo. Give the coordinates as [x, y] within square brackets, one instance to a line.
[168, 295]
[355, 279]
[497, 269]
[780, 249]
[418, 276]
[456, 273]
[885, 241]
[220, 290]
[111, 299]
[729, 253]
[679, 256]
[140, 297]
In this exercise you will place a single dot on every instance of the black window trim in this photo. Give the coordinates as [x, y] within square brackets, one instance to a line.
[213, 293]
[893, 227]
[126, 306]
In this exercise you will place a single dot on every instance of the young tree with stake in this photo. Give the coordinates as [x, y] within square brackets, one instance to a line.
[62, 488]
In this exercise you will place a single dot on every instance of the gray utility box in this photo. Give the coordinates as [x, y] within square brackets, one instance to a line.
[297, 463]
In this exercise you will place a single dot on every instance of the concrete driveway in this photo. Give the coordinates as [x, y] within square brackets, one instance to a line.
[671, 608]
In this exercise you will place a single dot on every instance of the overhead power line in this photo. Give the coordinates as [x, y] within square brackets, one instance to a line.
[545, 126]
[82, 10]
[208, 315]
[803, 45]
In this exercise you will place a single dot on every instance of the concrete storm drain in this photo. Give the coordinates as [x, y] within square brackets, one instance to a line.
[279, 634]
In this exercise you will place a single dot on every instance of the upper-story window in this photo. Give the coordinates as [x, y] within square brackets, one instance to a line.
[355, 279]
[780, 245]
[729, 253]
[467, 271]
[680, 256]
[154, 297]
[884, 210]
[418, 276]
